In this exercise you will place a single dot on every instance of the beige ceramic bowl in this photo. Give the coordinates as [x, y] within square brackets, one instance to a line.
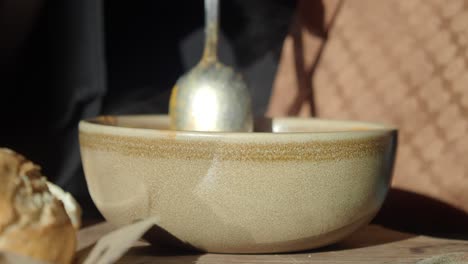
[308, 184]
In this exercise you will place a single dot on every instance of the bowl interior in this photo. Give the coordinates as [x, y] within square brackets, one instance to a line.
[262, 125]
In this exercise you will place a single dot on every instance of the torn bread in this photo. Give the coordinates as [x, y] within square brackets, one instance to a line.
[33, 221]
[72, 207]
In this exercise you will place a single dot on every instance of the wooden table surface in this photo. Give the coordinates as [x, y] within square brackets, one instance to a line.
[372, 244]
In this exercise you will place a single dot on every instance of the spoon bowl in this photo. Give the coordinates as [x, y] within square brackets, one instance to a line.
[211, 97]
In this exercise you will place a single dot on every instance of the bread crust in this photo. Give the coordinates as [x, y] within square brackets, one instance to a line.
[33, 221]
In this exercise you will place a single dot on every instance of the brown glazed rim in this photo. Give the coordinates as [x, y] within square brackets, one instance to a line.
[357, 127]
[263, 146]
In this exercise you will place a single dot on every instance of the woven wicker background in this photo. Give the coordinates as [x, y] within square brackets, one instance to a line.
[404, 62]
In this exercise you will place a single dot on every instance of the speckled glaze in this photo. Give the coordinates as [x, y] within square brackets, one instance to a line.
[307, 184]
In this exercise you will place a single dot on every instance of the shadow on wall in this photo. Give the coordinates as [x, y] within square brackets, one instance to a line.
[415, 213]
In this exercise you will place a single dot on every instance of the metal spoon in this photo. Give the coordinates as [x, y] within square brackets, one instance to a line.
[211, 96]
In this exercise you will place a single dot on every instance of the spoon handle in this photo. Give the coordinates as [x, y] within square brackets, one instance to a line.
[211, 30]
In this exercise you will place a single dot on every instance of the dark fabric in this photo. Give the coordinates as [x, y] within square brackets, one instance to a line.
[60, 79]
[86, 58]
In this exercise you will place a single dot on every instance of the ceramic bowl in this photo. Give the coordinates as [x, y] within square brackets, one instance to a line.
[303, 184]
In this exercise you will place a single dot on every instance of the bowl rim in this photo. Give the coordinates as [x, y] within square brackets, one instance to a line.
[96, 124]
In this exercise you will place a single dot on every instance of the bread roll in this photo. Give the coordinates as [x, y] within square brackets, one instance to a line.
[33, 222]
